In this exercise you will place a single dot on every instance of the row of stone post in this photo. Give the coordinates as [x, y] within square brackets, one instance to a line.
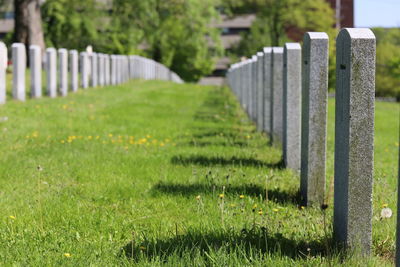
[284, 91]
[65, 67]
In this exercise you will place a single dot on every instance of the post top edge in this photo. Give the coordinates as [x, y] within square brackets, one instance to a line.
[292, 46]
[317, 35]
[357, 33]
[277, 49]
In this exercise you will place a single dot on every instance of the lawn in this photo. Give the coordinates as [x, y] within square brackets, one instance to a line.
[154, 173]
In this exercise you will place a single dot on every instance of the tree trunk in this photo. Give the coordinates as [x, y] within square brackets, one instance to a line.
[28, 23]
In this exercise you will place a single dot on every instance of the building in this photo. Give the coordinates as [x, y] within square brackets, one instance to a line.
[231, 29]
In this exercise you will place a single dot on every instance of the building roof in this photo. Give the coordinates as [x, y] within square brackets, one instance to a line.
[230, 40]
[242, 21]
[6, 25]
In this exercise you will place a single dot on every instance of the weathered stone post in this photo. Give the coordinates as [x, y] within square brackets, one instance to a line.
[35, 64]
[277, 96]
[73, 55]
[19, 68]
[398, 216]
[107, 70]
[267, 90]
[3, 68]
[94, 70]
[84, 70]
[354, 138]
[113, 70]
[292, 105]
[254, 89]
[260, 91]
[51, 69]
[63, 71]
[313, 126]
[101, 66]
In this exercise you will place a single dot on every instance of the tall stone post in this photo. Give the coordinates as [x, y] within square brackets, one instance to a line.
[354, 138]
[19, 68]
[51, 71]
[277, 96]
[3, 68]
[35, 64]
[260, 91]
[94, 70]
[267, 90]
[292, 105]
[63, 71]
[113, 70]
[313, 126]
[254, 89]
[84, 69]
[73, 56]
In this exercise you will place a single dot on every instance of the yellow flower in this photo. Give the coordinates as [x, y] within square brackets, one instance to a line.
[198, 197]
[233, 205]
[67, 255]
[90, 137]
[241, 196]
[221, 196]
[248, 137]
[254, 206]
[97, 137]
[385, 205]
[302, 207]
[110, 135]
[12, 217]
[148, 136]
[62, 141]
[276, 210]
[260, 212]
[162, 144]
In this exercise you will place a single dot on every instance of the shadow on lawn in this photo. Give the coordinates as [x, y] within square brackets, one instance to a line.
[192, 190]
[255, 240]
[236, 161]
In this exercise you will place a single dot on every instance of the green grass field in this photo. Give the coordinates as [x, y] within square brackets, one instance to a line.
[154, 173]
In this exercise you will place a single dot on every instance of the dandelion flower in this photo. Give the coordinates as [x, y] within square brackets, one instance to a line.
[67, 255]
[241, 196]
[302, 207]
[385, 205]
[62, 141]
[110, 135]
[276, 210]
[260, 212]
[221, 196]
[12, 217]
[198, 197]
[386, 213]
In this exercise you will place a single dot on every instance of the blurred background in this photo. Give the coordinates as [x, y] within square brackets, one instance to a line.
[198, 39]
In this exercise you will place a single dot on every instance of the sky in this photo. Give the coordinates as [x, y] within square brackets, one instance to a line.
[377, 13]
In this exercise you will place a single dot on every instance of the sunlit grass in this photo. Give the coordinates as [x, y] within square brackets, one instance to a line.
[153, 173]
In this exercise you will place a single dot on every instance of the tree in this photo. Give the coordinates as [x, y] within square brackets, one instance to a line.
[176, 33]
[28, 23]
[387, 62]
[72, 24]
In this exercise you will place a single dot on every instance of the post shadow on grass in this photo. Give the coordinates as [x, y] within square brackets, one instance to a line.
[224, 161]
[248, 241]
[191, 190]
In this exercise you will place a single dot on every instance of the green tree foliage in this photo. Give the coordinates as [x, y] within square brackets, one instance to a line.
[71, 23]
[275, 18]
[174, 32]
[388, 62]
